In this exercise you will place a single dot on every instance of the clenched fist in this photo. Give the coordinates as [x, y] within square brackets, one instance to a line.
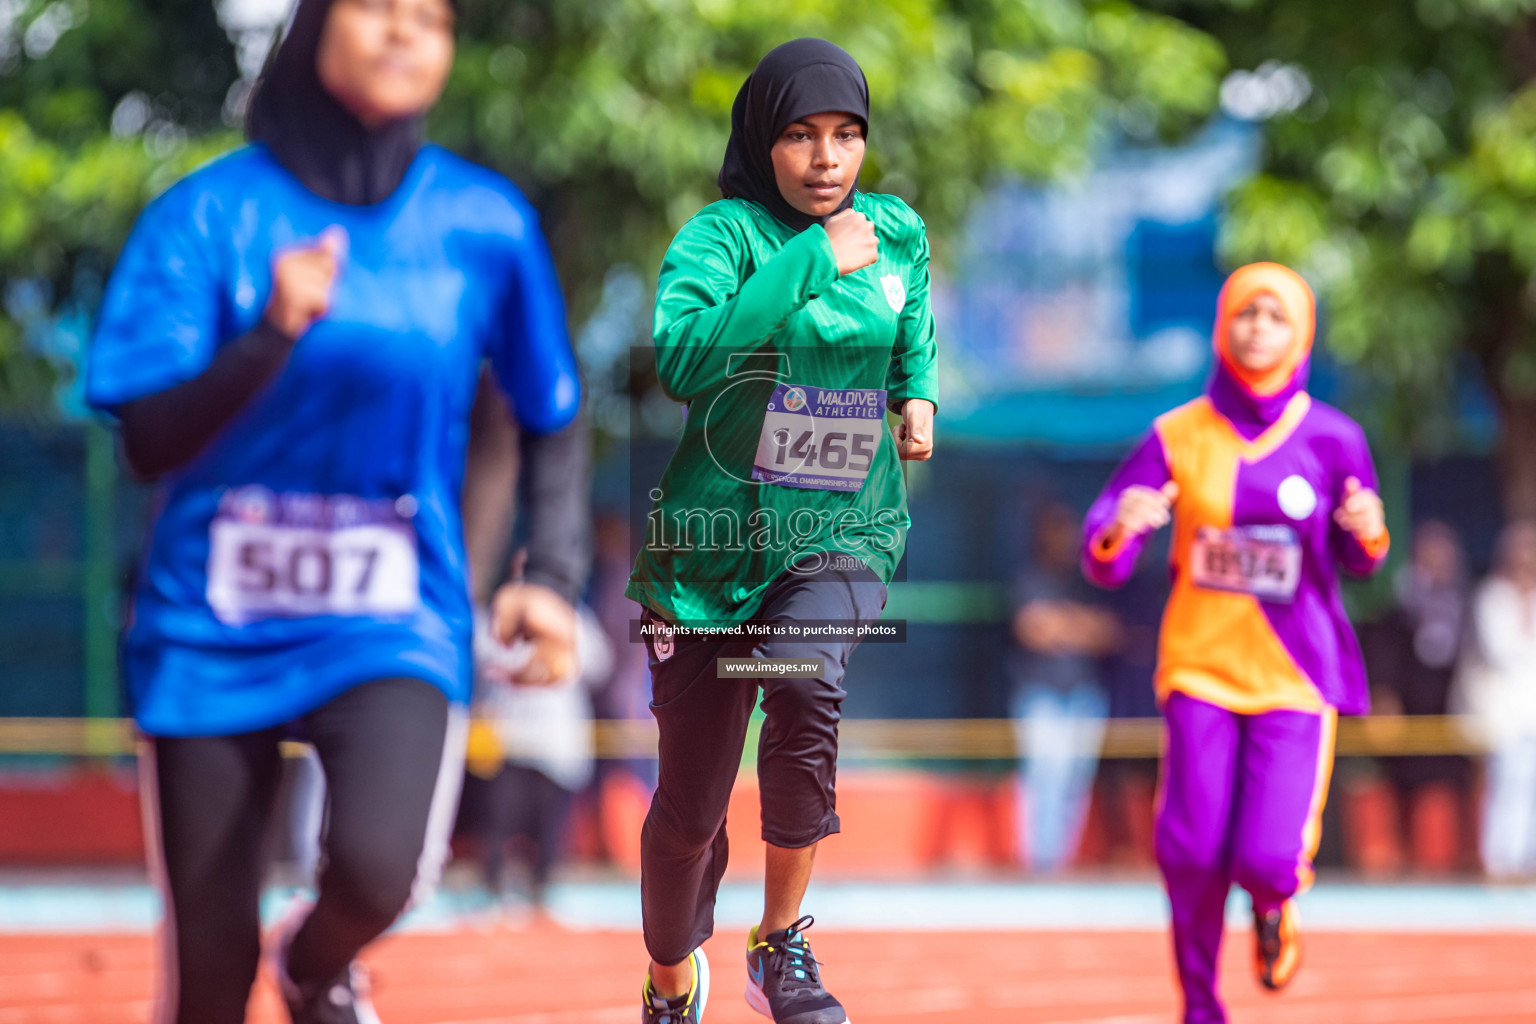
[1142, 510]
[914, 434]
[1361, 512]
[301, 283]
[854, 244]
[528, 611]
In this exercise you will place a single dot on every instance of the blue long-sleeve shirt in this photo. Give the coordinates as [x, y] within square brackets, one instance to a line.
[315, 543]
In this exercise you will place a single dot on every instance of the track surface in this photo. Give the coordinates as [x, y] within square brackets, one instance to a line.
[546, 975]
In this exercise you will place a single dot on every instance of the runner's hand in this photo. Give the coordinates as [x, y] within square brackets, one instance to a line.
[914, 434]
[1361, 512]
[528, 611]
[854, 245]
[1142, 510]
[301, 282]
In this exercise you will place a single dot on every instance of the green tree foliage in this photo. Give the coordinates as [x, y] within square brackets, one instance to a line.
[611, 114]
[1406, 184]
[69, 186]
[614, 113]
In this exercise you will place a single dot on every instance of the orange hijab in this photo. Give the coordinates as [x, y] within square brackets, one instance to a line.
[1300, 309]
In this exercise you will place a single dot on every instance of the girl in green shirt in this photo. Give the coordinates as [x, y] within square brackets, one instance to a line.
[789, 317]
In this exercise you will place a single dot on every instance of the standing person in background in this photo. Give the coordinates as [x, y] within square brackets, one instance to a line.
[624, 784]
[1126, 787]
[291, 340]
[1496, 687]
[545, 737]
[1413, 661]
[531, 747]
[1270, 493]
[825, 289]
[1063, 632]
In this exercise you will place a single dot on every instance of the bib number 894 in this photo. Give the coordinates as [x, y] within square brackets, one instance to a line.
[1264, 562]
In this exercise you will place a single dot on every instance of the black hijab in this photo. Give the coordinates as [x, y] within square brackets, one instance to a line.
[795, 80]
[313, 135]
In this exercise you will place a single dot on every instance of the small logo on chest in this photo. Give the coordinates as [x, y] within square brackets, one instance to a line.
[1297, 498]
[895, 291]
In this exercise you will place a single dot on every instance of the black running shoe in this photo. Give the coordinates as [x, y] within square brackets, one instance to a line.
[685, 1009]
[343, 1001]
[783, 982]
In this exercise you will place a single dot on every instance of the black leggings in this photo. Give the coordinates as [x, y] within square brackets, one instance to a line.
[703, 724]
[524, 803]
[392, 752]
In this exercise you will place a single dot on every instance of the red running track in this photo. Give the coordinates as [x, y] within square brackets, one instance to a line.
[544, 975]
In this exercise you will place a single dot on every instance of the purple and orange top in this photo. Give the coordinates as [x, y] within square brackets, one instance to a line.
[1256, 619]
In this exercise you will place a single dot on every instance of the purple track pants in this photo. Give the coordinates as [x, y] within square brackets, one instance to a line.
[1241, 801]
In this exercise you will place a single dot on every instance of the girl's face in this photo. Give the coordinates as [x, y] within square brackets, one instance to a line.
[386, 59]
[816, 160]
[1261, 335]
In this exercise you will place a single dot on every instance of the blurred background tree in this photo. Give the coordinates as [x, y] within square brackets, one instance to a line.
[102, 104]
[1401, 172]
[1404, 181]
[611, 114]
[614, 113]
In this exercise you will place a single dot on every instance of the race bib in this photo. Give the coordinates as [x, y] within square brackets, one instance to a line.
[822, 439]
[1263, 561]
[288, 555]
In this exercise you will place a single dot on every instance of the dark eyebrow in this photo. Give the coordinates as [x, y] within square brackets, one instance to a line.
[852, 122]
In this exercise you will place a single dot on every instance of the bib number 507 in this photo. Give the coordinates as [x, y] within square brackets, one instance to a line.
[258, 571]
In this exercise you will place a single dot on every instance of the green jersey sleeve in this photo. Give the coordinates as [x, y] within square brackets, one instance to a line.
[711, 305]
[914, 360]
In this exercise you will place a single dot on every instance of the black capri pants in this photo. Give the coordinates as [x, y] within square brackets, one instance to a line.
[703, 724]
[393, 754]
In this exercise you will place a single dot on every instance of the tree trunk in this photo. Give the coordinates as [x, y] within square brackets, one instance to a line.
[1495, 339]
[1517, 454]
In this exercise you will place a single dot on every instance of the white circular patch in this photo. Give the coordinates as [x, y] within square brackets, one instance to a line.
[1297, 498]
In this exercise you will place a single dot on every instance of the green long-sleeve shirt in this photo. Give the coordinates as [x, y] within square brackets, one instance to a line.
[745, 306]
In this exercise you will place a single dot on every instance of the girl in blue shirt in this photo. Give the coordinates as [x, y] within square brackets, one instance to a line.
[291, 340]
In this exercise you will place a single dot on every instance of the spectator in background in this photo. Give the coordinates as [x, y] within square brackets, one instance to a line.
[1414, 661]
[1496, 687]
[545, 737]
[627, 695]
[1127, 785]
[624, 785]
[1059, 702]
[531, 749]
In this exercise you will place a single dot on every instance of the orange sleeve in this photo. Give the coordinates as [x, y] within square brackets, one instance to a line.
[1103, 550]
[1378, 546]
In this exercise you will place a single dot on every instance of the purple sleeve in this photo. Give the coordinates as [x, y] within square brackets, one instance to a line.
[1354, 460]
[1147, 466]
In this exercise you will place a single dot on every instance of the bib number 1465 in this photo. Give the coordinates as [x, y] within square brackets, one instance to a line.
[821, 439]
[833, 450]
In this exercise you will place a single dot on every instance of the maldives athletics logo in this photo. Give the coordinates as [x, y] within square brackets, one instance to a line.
[253, 504]
[794, 400]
